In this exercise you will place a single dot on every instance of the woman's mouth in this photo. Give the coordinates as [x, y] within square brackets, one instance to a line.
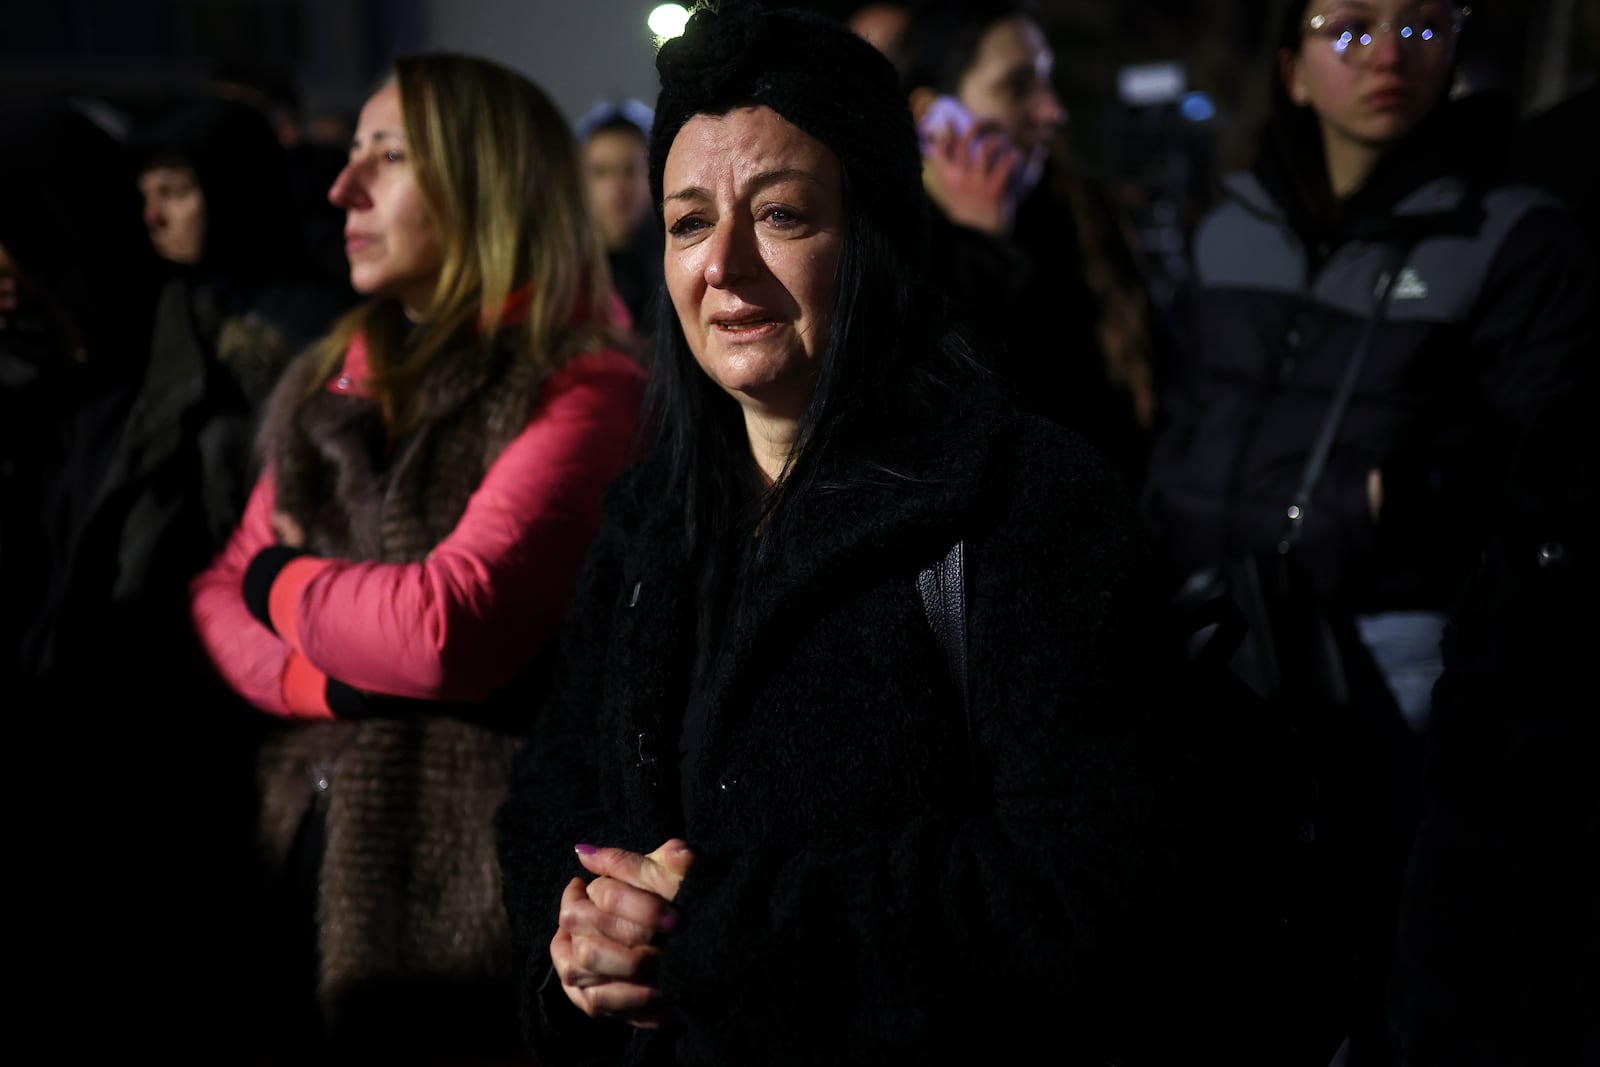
[745, 329]
[1385, 99]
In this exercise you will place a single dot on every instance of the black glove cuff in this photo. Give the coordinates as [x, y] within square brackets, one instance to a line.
[259, 576]
[346, 701]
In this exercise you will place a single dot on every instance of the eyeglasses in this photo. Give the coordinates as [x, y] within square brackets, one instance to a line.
[1351, 35]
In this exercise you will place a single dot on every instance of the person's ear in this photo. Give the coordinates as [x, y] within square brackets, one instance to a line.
[1294, 82]
[921, 100]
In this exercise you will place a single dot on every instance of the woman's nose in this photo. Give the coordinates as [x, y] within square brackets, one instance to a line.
[348, 189]
[731, 255]
[1048, 109]
[1386, 50]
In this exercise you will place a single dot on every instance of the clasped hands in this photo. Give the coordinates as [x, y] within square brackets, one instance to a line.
[603, 950]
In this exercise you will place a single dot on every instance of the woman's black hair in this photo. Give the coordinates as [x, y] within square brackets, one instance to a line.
[1290, 142]
[940, 41]
[891, 367]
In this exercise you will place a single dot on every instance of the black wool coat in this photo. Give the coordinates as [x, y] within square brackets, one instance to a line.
[855, 898]
[1499, 921]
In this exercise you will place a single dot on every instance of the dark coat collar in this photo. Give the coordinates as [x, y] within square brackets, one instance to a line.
[863, 510]
[870, 526]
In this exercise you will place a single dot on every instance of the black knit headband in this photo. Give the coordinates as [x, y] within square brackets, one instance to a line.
[814, 72]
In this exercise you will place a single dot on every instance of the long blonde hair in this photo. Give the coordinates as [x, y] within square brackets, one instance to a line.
[499, 169]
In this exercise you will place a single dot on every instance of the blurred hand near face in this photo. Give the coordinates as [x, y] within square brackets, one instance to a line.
[603, 950]
[970, 175]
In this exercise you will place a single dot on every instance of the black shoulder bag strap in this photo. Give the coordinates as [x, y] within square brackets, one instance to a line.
[1220, 612]
[1300, 504]
[1232, 629]
[942, 586]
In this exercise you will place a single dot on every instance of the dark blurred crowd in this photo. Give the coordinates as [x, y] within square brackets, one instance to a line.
[1363, 420]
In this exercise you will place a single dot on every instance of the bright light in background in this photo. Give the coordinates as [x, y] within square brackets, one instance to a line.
[667, 21]
[1151, 84]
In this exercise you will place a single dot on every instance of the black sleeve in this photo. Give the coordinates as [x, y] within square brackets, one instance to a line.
[1533, 338]
[262, 571]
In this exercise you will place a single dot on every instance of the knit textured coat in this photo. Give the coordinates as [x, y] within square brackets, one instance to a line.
[872, 882]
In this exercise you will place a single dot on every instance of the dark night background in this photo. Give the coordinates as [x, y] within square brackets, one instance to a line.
[135, 55]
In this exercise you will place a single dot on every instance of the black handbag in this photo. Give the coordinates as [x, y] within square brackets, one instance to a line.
[1258, 616]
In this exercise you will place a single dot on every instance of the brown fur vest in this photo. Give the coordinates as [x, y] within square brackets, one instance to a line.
[410, 924]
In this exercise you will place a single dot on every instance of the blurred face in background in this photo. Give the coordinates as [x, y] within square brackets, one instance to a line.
[391, 238]
[616, 163]
[754, 213]
[8, 287]
[1009, 84]
[174, 210]
[880, 24]
[1372, 70]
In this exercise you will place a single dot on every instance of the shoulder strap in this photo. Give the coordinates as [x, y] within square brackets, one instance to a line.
[1318, 458]
[942, 586]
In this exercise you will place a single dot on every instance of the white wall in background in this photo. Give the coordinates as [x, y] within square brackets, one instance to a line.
[576, 50]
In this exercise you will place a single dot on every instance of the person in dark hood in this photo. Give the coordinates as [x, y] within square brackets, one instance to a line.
[78, 284]
[100, 522]
[220, 207]
[1374, 252]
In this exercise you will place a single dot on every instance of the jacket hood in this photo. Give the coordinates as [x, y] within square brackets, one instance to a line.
[71, 219]
[244, 174]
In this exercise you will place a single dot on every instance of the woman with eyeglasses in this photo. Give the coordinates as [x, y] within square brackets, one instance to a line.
[1371, 240]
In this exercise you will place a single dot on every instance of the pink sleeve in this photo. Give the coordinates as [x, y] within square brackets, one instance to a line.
[461, 624]
[250, 657]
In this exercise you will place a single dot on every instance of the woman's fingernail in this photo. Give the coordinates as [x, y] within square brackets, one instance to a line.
[669, 922]
[586, 850]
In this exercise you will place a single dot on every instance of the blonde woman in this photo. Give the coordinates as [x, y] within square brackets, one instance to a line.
[433, 471]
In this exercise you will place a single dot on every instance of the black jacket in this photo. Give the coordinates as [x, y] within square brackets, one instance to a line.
[1499, 921]
[1489, 316]
[854, 899]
